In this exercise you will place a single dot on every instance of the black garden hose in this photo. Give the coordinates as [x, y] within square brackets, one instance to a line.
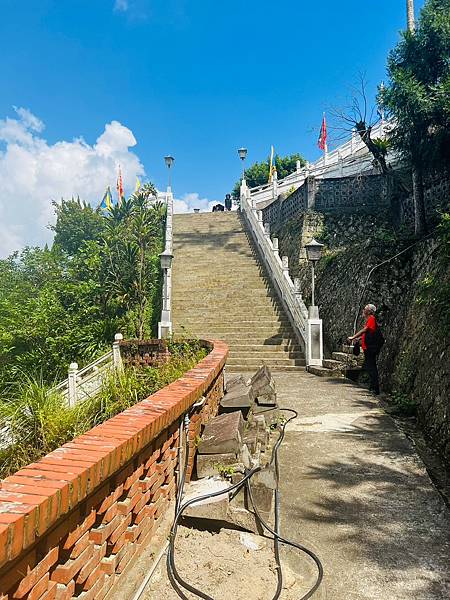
[178, 582]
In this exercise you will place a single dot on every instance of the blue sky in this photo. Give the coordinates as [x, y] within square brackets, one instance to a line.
[195, 78]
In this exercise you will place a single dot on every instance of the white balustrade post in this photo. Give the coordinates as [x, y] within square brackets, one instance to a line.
[275, 184]
[275, 247]
[72, 383]
[253, 202]
[297, 290]
[165, 324]
[267, 231]
[298, 166]
[285, 265]
[117, 357]
[260, 216]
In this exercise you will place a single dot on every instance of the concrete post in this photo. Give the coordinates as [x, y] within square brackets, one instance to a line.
[72, 383]
[267, 230]
[117, 357]
[165, 324]
[285, 265]
[298, 166]
[275, 246]
[260, 216]
[314, 346]
[297, 290]
[275, 184]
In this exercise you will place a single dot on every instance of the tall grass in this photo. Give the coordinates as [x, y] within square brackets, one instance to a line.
[35, 421]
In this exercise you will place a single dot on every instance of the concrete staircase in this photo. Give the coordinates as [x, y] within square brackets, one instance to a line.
[220, 290]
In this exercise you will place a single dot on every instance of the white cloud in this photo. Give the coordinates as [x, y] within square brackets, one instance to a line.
[121, 5]
[192, 200]
[34, 172]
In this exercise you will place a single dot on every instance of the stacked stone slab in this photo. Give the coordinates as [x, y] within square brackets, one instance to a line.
[221, 290]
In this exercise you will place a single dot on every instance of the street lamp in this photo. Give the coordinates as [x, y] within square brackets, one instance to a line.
[169, 160]
[313, 252]
[243, 155]
[166, 260]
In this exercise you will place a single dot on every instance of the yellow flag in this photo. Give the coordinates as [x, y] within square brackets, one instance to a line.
[138, 185]
[271, 165]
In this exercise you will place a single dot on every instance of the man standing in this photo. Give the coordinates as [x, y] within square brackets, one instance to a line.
[371, 343]
[228, 202]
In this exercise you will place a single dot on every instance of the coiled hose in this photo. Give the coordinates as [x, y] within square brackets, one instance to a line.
[178, 582]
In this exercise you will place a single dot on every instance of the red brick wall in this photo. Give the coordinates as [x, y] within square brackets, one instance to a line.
[71, 522]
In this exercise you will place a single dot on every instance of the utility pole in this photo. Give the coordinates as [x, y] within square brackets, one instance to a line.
[410, 15]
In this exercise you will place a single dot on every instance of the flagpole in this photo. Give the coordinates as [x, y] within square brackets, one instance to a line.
[325, 149]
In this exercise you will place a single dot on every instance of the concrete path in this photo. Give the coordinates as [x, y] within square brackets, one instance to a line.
[355, 492]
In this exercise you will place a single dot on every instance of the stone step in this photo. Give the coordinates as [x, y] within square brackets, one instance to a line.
[236, 354]
[273, 368]
[323, 372]
[257, 362]
[334, 365]
[265, 348]
[342, 357]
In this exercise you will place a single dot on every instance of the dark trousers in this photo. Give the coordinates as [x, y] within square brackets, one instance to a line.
[370, 364]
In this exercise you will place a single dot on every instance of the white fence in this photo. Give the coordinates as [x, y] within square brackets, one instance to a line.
[350, 158]
[86, 382]
[308, 328]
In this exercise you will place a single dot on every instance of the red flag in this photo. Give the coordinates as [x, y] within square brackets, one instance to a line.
[322, 141]
[119, 187]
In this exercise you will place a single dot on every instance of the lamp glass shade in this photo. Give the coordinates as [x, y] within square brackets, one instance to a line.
[242, 153]
[166, 259]
[314, 250]
[169, 161]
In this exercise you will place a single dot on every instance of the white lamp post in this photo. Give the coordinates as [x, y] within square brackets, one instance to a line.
[243, 155]
[169, 160]
[165, 326]
[314, 253]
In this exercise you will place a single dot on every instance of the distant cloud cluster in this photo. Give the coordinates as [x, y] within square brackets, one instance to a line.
[34, 172]
[121, 5]
[192, 200]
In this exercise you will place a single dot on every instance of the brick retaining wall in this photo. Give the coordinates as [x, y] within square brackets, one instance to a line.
[71, 522]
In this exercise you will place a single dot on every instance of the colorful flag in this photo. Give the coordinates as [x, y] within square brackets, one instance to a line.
[322, 141]
[107, 201]
[119, 187]
[138, 185]
[271, 165]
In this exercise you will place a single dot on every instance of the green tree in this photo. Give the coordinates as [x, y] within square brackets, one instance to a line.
[76, 223]
[258, 173]
[418, 98]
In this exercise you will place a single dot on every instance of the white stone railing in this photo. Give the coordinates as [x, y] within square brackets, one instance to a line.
[86, 382]
[307, 328]
[350, 158]
[165, 324]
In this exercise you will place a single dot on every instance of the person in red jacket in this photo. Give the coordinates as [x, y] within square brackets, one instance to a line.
[370, 353]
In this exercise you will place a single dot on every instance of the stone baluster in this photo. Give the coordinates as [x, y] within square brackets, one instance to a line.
[72, 383]
[117, 357]
[285, 265]
[275, 247]
[267, 231]
[297, 290]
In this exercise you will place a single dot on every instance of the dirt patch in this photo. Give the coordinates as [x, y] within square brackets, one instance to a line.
[228, 564]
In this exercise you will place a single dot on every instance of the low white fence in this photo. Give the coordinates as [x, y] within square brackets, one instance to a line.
[86, 382]
[308, 328]
[350, 158]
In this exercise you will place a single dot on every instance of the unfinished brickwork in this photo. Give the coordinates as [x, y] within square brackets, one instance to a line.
[71, 523]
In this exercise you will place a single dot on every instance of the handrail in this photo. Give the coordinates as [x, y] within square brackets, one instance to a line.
[278, 271]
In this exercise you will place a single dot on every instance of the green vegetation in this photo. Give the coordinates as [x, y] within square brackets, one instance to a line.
[258, 173]
[35, 421]
[434, 289]
[418, 97]
[65, 303]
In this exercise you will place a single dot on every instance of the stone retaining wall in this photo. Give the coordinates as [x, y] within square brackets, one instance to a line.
[71, 523]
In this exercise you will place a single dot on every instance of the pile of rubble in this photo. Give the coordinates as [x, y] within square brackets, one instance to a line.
[238, 438]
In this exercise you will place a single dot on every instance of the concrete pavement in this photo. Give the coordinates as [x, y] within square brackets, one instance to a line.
[354, 491]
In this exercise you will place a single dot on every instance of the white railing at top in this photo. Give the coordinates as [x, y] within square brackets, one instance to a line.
[86, 382]
[165, 324]
[277, 267]
[350, 158]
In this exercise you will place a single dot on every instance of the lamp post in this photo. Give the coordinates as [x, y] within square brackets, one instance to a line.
[169, 160]
[243, 155]
[314, 252]
[165, 325]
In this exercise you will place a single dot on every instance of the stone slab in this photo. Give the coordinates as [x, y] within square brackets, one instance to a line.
[239, 396]
[209, 465]
[223, 434]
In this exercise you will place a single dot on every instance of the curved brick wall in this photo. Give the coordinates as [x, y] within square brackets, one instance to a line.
[71, 522]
